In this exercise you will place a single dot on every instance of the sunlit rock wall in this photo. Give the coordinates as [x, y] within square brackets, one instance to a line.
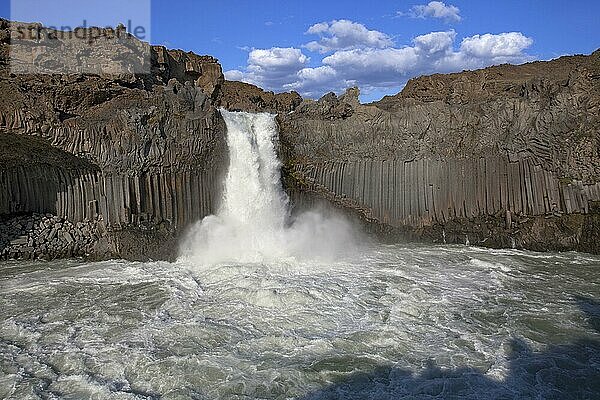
[513, 143]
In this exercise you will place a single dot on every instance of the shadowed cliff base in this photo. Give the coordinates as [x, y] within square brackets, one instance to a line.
[430, 212]
[569, 371]
[33, 174]
[27, 151]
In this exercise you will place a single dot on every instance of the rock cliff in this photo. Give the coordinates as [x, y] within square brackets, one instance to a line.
[507, 155]
[239, 96]
[108, 165]
[142, 154]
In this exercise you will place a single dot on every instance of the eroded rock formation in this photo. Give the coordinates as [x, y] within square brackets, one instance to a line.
[505, 156]
[480, 155]
[135, 151]
[240, 96]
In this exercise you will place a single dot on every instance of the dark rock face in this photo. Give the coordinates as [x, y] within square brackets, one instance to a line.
[204, 71]
[329, 107]
[458, 155]
[500, 157]
[143, 153]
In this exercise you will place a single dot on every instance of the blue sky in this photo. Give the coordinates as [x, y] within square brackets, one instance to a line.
[317, 46]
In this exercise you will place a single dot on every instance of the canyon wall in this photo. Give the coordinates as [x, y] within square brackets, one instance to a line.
[505, 156]
[142, 154]
[137, 157]
[103, 165]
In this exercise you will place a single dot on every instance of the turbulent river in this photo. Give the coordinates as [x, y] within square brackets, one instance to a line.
[265, 305]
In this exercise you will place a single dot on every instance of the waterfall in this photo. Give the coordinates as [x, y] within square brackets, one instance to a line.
[253, 223]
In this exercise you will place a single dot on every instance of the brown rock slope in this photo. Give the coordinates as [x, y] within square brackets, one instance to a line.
[240, 96]
[500, 156]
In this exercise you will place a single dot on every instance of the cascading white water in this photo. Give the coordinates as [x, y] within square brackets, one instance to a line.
[395, 321]
[253, 223]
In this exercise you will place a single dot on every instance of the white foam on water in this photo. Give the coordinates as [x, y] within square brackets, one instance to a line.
[288, 330]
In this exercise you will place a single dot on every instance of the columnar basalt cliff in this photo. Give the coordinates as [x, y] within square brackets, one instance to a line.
[138, 156]
[141, 153]
[505, 156]
[118, 165]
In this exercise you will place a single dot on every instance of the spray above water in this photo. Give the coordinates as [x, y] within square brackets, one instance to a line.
[253, 223]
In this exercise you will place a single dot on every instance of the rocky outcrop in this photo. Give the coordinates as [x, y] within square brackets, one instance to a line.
[46, 236]
[204, 71]
[142, 153]
[240, 96]
[509, 142]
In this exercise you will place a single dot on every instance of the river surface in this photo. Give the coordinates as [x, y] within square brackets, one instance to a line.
[263, 304]
[396, 321]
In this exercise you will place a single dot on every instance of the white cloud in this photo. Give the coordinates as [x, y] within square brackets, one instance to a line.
[234, 75]
[436, 9]
[344, 34]
[435, 42]
[379, 66]
[430, 53]
[507, 44]
[320, 74]
[313, 82]
[277, 58]
[271, 68]
[371, 62]
[321, 27]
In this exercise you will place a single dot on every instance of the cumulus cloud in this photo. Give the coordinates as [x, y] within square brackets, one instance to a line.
[430, 53]
[436, 9]
[276, 59]
[370, 62]
[378, 66]
[313, 82]
[271, 68]
[322, 74]
[508, 44]
[344, 34]
[435, 42]
[234, 75]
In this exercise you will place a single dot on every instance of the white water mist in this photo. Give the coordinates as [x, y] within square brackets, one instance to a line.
[253, 223]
